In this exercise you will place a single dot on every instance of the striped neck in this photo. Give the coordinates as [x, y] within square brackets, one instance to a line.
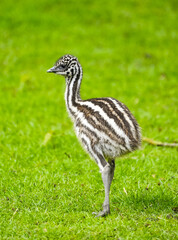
[72, 92]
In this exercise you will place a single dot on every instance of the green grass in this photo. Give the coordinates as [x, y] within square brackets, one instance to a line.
[128, 50]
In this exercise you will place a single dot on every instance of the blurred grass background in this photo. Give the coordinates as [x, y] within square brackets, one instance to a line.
[128, 50]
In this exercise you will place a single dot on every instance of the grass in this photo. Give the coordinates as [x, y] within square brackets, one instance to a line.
[49, 186]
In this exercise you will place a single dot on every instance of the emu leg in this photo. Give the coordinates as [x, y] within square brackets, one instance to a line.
[107, 177]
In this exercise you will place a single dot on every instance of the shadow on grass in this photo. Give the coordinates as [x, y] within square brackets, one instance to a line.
[147, 202]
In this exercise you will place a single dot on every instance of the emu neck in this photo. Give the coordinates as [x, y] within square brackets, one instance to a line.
[72, 93]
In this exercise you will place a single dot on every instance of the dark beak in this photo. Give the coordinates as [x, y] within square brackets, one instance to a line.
[52, 70]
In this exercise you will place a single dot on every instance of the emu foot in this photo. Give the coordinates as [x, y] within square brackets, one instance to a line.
[105, 212]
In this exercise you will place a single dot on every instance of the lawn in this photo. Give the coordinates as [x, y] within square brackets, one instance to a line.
[49, 186]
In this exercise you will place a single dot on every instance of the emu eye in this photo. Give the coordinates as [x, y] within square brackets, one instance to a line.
[63, 65]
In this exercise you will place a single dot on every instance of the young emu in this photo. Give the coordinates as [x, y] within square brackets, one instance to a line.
[104, 126]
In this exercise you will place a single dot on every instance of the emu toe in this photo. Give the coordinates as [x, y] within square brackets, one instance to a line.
[105, 212]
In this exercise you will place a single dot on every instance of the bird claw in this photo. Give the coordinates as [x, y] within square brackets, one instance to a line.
[101, 214]
[94, 213]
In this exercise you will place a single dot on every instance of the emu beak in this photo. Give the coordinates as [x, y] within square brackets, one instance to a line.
[52, 70]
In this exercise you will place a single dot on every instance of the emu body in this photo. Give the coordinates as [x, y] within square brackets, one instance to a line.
[105, 127]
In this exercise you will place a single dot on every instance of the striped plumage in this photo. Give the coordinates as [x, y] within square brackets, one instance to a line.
[105, 127]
